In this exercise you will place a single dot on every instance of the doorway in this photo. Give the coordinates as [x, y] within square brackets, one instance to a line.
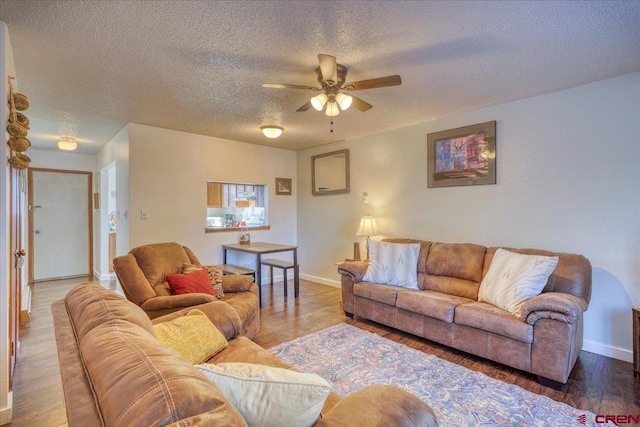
[108, 220]
[60, 224]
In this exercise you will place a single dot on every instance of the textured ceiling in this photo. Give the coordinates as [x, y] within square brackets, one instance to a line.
[90, 67]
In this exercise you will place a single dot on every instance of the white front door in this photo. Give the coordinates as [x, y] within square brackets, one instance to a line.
[61, 225]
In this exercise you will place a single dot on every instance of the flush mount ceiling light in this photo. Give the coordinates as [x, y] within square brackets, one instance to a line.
[67, 144]
[271, 131]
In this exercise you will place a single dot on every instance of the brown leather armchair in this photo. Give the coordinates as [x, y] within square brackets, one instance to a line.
[142, 275]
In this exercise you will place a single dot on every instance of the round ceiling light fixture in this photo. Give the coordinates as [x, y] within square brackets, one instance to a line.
[67, 144]
[272, 131]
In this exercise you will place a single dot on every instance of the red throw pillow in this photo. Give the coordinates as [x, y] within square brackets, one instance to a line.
[196, 282]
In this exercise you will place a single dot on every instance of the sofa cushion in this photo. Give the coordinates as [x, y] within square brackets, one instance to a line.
[514, 278]
[159, 259]
[488, 317]
[268, 396]
[461, 260]
[161, 388]
[376, 292]
[192, 335]
[393, 264]
[91, 305]
[570, 275]
[454, 268]
[134, 283]
[432, 304]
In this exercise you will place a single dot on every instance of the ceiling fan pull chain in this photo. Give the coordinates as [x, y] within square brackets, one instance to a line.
[331, 125]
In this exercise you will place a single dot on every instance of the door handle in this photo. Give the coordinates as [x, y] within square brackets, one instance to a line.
[37, 231]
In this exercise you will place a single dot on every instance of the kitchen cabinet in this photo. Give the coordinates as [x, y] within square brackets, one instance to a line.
[214, 195]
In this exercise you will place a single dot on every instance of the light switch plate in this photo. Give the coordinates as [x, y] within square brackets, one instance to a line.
[144, 213]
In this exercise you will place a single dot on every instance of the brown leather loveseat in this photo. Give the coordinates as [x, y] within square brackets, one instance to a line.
[116, 373]
[545, 339]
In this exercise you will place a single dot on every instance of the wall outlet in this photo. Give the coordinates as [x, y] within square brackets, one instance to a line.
[144, 213]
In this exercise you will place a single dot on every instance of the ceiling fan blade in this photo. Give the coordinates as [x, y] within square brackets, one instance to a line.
[328, 68]
[359, 104]
[305, 107]
[284, 86]
[374, 83]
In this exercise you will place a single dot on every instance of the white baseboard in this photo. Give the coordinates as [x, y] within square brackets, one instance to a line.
[321, 280]
[103, 277]
[6, 414]
[315, 279]
[607, 350]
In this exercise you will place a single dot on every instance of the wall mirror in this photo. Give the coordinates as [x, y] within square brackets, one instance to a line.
[330, 173]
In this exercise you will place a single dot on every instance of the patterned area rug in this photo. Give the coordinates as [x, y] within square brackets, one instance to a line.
[351, 358]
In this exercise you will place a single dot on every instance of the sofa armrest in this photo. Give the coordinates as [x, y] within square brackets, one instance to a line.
[381, 405]
[236, 283]
[176, 301]
[221, 314]
[559, 306]
[354, 269]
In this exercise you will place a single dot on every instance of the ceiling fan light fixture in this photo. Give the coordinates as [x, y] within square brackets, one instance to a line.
[67, 144]
[332, 109]
[318, 101]
[272, 131]
[344, 100]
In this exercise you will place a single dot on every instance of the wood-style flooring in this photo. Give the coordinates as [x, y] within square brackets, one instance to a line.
[598, 384]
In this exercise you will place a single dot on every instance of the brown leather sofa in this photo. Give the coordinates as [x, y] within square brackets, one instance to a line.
[142, 275]
[545, 340]
[115, 372]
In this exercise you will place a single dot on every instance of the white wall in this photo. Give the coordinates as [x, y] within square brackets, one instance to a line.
[116, 150]
[6, 69]
[169, 171]
[567, 180]
[62, 160]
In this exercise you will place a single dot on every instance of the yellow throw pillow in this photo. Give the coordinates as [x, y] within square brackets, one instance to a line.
[193, 336]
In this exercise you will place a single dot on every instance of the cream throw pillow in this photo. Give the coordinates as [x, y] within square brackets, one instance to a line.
[514, 278]
[192, 335]
[393, 264]
[267, 396]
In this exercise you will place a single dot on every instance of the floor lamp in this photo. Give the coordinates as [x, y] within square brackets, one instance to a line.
[368, 228]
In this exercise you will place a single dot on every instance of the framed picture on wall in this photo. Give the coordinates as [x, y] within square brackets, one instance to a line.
[283, 186]
[462, 156]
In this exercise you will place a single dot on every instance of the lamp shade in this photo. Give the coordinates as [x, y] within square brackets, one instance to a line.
[344, 100]
[368, 226]
[318, 102]
[271, 131]
[332, 109]
[67, 144]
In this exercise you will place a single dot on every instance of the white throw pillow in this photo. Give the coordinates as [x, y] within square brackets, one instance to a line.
[393, 264]
[514, 278]
[268, 396]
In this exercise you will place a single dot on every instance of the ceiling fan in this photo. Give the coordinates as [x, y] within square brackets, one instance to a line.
[335, 93]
